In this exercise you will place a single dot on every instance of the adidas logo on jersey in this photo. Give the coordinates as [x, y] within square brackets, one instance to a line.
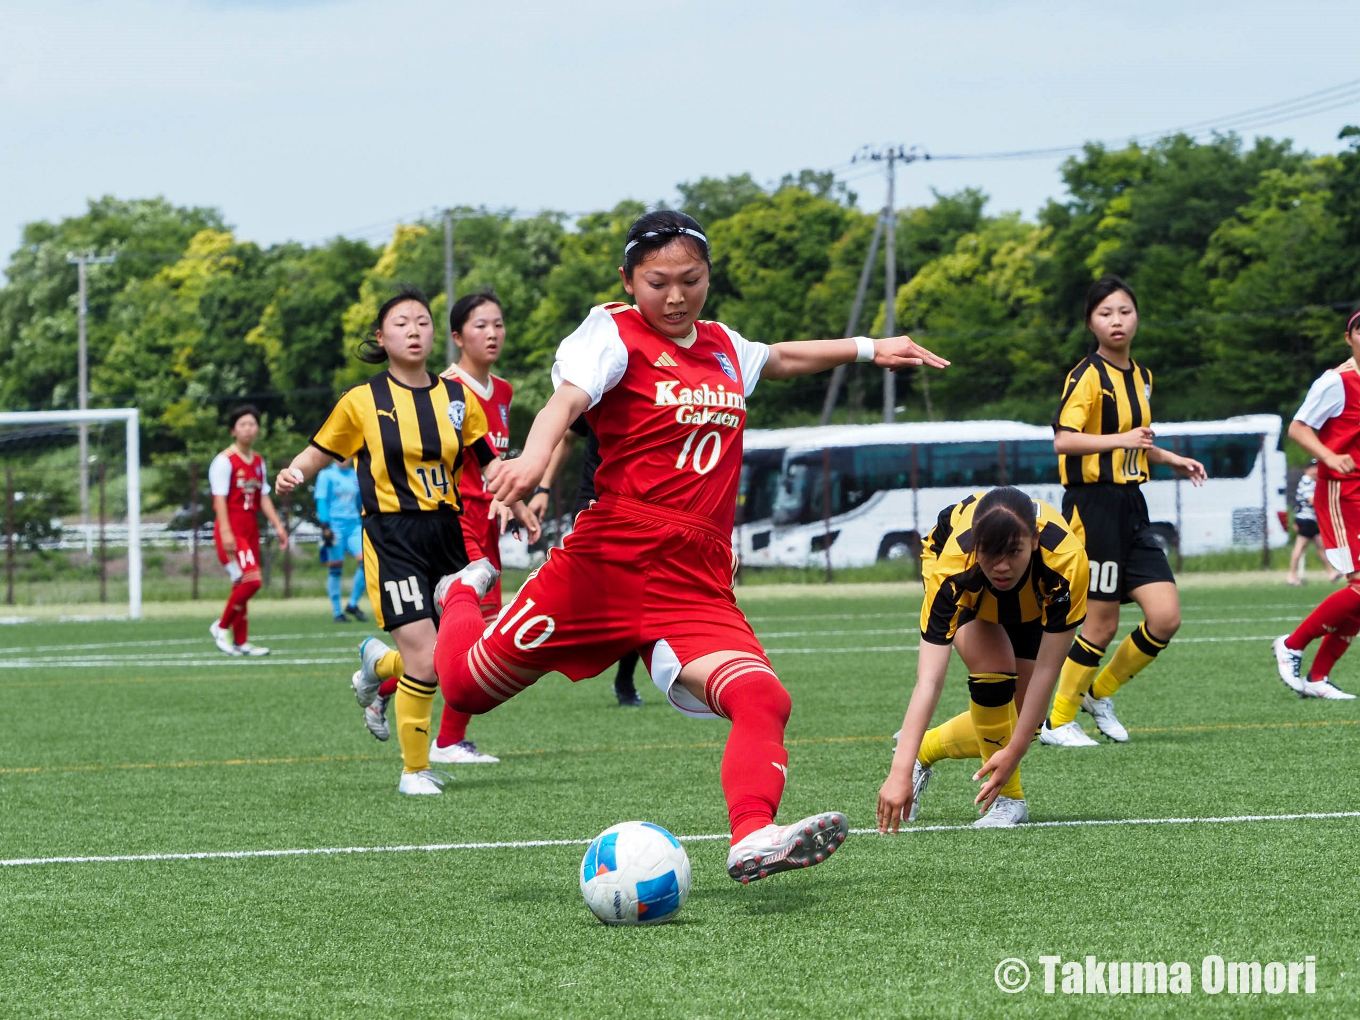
[665, 361]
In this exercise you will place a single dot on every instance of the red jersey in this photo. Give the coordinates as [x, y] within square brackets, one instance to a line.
[495, 401]
[241, 482]
[1332, 409]
[669, 413]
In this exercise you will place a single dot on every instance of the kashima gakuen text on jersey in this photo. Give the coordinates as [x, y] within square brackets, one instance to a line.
[702, 405]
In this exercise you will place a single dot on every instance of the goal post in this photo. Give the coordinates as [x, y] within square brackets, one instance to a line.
[129, 416]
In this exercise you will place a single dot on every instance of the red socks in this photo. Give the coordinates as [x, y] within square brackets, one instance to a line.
[471, 679]
[754, 764]
[388, 687]
[1334, 614]
[234, 615]
[1333, 646]
[452, 727]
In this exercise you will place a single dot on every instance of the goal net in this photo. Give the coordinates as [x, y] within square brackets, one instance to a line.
[71, 525]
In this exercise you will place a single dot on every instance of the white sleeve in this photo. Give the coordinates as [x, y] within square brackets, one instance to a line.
[593, 358]
[219, 476]
[1326, 399]
[264, 470]
[751, 356]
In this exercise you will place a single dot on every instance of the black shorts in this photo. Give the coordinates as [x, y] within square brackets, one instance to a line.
[1306, 528]
[1025, 638]
[1112, 522]
[405, 555]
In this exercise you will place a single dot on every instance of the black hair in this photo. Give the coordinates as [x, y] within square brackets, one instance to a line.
[467, 304]
[1003, 519]
[237, 413]
[1103, 288]
[665, 226]
[370, 351]
[1351, 318]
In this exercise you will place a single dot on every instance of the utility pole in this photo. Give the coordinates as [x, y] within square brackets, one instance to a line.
[83, 381]
[890, 290]
[852, 327]
[448, 277]
[892, 155]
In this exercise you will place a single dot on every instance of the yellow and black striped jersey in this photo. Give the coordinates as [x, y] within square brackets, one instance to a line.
[407, 442]
[1102, 400]
[1053, 590]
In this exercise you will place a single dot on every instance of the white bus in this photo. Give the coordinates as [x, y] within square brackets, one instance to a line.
[762, 465]
[873, 492]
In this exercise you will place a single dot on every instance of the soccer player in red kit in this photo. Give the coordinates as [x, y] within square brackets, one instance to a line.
[649, 565]
[1328, 427]
[240, 490]
[477, 325]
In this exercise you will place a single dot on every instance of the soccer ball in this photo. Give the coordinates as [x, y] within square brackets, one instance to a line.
[635, 873]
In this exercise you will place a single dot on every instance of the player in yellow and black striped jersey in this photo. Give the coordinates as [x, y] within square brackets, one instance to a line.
[1104, 441]
[1006, 583]
[407, 429]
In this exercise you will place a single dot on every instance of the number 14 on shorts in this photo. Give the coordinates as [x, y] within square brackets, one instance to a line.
[407, 591]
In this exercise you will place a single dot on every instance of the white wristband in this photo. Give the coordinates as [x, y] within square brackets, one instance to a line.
[864, 348]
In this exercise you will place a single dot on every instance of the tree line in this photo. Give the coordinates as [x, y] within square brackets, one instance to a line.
[1244, 259]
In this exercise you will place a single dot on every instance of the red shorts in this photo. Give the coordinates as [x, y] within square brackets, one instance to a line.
[1338, 516]
[482, 538]
[630, 576]
[247, 556]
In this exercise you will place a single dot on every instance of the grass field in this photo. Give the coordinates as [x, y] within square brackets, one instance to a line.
[139, 739]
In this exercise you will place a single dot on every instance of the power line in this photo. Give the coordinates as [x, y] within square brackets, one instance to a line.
[1307, 105]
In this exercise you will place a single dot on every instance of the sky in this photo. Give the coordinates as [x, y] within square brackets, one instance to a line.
[304, 120]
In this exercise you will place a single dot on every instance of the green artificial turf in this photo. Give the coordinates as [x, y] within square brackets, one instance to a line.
[136, 739]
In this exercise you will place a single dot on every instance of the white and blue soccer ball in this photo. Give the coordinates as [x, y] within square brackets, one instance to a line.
[635, 873]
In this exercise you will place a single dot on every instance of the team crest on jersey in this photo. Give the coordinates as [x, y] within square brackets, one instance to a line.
[726, 364]
[1147, 390]
[456, 411]
[505, 415]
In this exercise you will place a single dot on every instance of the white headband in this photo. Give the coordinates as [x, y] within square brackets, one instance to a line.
[662, 233]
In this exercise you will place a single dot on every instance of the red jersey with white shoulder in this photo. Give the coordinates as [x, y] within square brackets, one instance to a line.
[495, 400]
[669, 413]
[1332, 410]
[241, 482]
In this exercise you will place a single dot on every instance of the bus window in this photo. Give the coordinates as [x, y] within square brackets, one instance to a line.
[969, 465]
[759, 485]
[802, 496]
[1223, 456]
[1031, 462]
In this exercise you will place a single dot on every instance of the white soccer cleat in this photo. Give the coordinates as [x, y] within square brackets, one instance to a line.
[1006, 813]
[479, 575]
[365, 680]
[423, 784]
[920, 779]
[1323, 688]
[222, 638]
[1288, 662]
[462, 753]
[775, 848]
[1067, 735]
[1102, 711]
[254, 651]
[375, 718]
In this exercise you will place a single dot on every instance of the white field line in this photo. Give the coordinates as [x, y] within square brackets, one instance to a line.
[161, 643]
[104, 662]
[16, 862]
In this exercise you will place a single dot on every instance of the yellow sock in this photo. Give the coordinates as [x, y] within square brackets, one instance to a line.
[414, 703]
[991, 707]
[952, 739]
[1134, 654]
[391, 665]
[1078, 670]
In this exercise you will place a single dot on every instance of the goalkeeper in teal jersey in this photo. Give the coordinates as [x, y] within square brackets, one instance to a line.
[339, 512]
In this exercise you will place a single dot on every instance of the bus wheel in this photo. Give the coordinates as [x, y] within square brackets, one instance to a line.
[898, 546]
[1165, 536]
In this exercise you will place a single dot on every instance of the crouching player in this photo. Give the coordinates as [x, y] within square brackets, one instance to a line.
[648, 566]
[1006, 583]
